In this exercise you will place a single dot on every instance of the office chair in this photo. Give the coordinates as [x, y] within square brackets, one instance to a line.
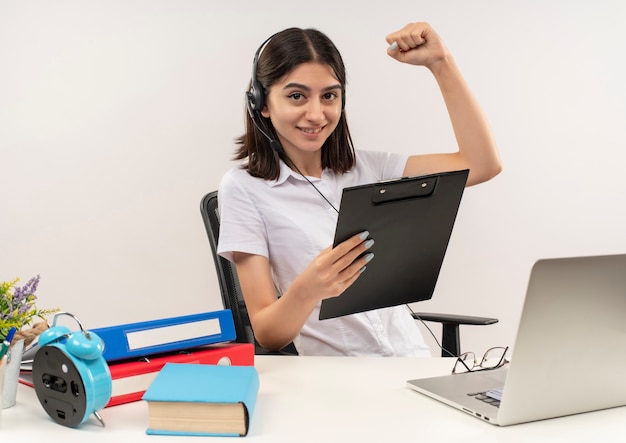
[232, 296]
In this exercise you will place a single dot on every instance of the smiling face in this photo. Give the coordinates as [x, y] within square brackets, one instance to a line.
[305, 108]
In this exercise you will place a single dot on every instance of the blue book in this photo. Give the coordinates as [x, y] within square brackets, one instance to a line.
[146, 338]
[202, 400]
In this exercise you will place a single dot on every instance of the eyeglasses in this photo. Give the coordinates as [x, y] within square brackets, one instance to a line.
[493, 358]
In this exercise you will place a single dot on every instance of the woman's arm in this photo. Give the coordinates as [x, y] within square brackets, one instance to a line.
[277, 321]
[419, 44]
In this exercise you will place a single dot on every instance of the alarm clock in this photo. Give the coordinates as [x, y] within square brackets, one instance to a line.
[71, 377]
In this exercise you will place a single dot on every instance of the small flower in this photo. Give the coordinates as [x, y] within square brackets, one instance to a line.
[17, 305]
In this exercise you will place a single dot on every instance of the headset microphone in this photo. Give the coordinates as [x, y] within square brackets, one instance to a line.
[274, 144]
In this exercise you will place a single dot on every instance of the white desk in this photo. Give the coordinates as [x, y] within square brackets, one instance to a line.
[326, 399]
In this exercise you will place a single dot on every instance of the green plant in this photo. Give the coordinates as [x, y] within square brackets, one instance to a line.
[18, 305]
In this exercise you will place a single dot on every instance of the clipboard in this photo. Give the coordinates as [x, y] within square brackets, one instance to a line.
[411, 221]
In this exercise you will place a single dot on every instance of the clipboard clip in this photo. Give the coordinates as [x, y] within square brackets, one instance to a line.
[403, 190]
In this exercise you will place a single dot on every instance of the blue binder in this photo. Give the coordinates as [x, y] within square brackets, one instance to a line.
[166, 335]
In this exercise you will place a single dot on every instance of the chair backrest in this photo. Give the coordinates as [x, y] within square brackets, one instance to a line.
[232, 296]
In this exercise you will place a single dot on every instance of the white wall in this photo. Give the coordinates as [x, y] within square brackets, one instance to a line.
[117, 116]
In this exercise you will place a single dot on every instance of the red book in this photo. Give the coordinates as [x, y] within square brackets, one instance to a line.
[132, 378]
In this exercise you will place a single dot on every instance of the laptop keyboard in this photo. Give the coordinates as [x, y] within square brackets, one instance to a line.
[492, 397]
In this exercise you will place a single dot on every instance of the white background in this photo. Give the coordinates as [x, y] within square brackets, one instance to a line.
[117, 116]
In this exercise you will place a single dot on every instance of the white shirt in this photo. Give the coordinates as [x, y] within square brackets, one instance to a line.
[290, 223]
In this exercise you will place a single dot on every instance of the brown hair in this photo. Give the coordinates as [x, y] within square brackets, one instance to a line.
[284, 52]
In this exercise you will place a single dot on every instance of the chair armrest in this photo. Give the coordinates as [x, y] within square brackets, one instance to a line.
[454, 319]
[290, 349]
[451, 339]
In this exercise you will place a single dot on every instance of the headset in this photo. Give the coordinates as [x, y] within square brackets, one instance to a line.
[255, 101]
[255, 97]
[71, 377]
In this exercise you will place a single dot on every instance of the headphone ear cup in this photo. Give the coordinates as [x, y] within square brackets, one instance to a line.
[259, 98]
[255, 99]
[250, 104]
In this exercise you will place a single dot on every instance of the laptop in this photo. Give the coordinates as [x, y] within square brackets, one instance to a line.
[569, 355]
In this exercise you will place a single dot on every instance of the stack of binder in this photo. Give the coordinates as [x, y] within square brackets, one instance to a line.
[136, 352]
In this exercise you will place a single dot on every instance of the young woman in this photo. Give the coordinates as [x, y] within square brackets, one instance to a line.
[279, 208]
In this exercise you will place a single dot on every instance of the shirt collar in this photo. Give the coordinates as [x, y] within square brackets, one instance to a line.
[285, 173]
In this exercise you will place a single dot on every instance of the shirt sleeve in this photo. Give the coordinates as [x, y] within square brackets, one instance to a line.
[241, 227]
[384, 165]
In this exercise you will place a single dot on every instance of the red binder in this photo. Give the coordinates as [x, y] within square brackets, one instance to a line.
[132, 378]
